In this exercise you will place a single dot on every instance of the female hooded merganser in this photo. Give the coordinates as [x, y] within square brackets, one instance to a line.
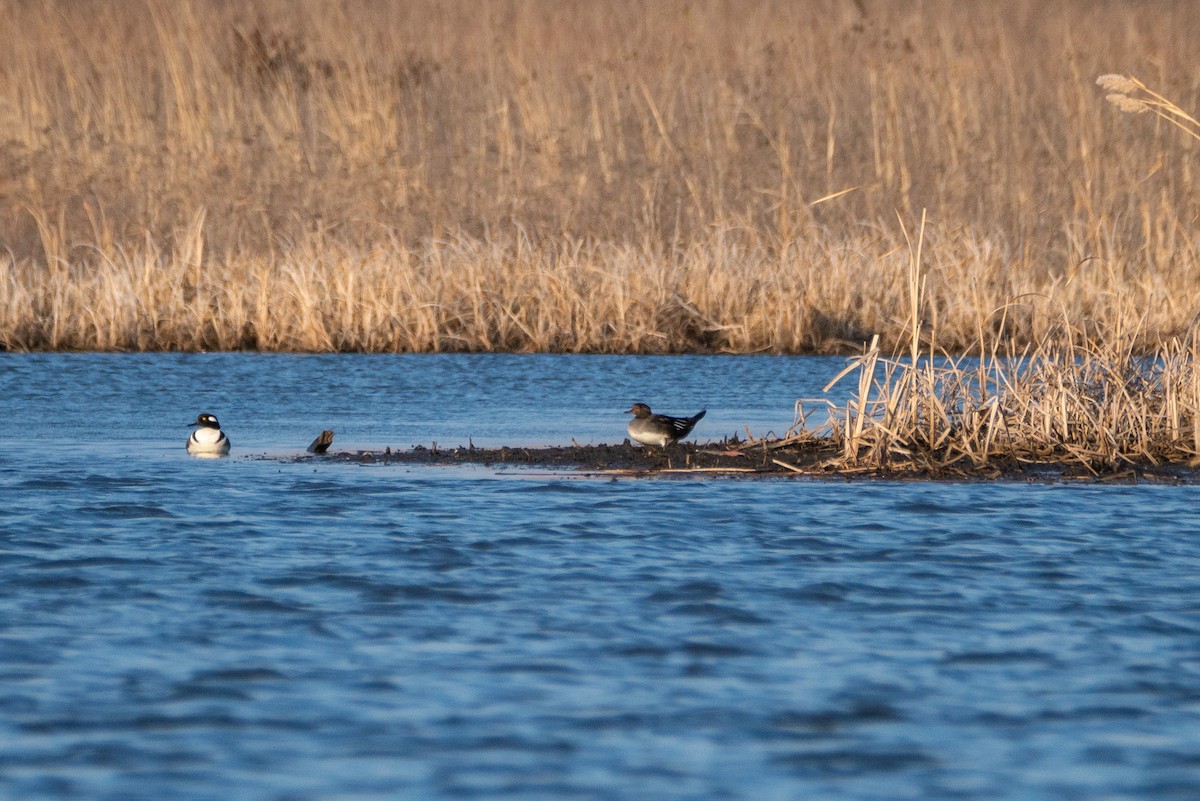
[658, 429]
[208, 438]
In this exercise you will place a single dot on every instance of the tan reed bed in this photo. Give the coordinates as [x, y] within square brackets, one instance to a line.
[610, 176]
[1087, 396]
[723, 293]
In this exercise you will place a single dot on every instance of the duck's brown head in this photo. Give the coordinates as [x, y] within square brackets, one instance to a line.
[639, 410]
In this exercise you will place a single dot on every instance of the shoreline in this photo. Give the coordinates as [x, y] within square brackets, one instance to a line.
[776, 459]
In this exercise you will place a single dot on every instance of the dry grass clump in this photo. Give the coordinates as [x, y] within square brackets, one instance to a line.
[677, 175]
[1087, 396]
[1102, 407]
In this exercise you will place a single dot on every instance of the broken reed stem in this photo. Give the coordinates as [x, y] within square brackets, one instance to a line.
[1100, 408]
[1096, 403]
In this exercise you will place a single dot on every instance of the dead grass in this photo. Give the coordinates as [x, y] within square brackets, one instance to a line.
[1080, 395]
[613, 176]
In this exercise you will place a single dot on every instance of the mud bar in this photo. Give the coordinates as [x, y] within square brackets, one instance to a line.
[811, 458]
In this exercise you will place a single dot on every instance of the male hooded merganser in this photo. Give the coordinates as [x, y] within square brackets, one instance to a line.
[658, 429]
[208, 438]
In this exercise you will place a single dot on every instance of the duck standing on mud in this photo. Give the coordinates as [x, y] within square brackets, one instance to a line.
[659, 429]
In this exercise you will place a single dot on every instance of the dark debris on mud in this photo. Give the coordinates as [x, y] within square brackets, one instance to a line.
[816, 459]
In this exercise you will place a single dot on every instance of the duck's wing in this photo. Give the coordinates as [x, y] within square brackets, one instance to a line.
[681, 426]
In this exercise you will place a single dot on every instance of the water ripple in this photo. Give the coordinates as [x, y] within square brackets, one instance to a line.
[251, 629]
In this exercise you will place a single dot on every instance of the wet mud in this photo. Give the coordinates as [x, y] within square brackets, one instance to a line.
[734, 459]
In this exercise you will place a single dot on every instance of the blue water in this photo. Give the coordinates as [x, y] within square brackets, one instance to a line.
[256, 628]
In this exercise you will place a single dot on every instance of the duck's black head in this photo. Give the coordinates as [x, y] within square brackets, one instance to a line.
[207, 420]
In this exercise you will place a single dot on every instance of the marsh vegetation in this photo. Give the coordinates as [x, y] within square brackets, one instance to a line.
[613, 176]
[866, 177]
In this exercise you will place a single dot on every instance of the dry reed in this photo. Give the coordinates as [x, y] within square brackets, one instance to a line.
[1081, 395]
[613, 176]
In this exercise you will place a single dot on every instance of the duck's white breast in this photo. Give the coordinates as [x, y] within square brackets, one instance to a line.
[639, 432]
[208, 440]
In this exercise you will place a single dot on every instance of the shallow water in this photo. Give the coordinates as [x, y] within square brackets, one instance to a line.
[259, 629]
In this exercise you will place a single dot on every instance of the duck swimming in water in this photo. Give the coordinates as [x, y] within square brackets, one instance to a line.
[208, 438]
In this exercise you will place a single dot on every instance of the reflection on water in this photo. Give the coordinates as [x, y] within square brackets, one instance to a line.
[237, 628]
